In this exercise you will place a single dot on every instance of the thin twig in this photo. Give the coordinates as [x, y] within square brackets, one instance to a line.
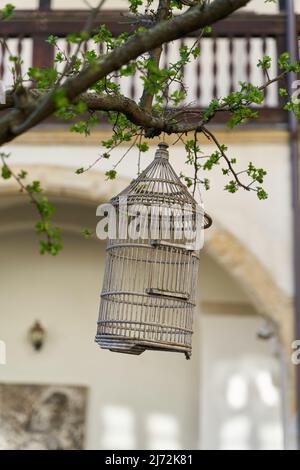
[212, 137]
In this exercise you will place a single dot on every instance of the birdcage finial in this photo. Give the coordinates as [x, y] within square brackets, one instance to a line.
[162, 151]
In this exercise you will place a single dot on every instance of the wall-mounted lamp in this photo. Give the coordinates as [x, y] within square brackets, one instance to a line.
[267, 330]
[37, 336]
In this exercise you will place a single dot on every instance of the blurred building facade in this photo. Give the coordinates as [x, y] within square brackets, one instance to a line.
[238, 390]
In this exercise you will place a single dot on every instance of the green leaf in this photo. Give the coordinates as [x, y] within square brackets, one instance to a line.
[87, 233]
[206, 183]
[178, 96]
[6, 173]
[45, 208]
[128, 70]
[50, 247]
[232, 187]
[283, 92]
[80, 127]
[212, 160]
[34, 187]
[285, 64]
[91, 56]
[257, 174]
[188, 181]
[211, 109]
[176, 4]
[103, 35]
[261, 194]
[44, 78]
[134, 4]
[80, 107]
[60, 99]
[143, 147]
[59, 57]
[265, 62]
[7, 11]
[196, 51]
[22, 174]
[111, 174]
[52, 39]
[76, 38]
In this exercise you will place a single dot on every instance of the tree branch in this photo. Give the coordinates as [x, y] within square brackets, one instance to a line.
[212, 137]
[175, 120]
[162, 14]
[18, 121]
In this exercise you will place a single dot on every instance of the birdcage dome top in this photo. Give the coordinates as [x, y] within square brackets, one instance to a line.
[159, 185]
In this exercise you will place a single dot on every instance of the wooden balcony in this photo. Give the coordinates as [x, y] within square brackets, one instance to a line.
[229, 54]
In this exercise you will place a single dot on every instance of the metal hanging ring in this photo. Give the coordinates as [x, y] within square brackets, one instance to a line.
[207, 220]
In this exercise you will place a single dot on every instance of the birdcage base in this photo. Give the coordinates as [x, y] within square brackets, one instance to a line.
[115, 345]
[127, 346]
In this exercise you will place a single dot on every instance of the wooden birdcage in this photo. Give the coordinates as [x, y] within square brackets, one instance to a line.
[149, 288]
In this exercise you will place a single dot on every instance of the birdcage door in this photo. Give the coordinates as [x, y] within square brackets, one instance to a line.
[172, 272]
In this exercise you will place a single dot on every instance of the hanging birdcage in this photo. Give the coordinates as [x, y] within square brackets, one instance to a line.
[149, 289]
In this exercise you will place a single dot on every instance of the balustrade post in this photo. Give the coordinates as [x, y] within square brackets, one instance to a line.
[42, 51]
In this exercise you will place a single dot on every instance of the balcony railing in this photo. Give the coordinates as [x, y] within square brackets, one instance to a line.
[229, 54]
